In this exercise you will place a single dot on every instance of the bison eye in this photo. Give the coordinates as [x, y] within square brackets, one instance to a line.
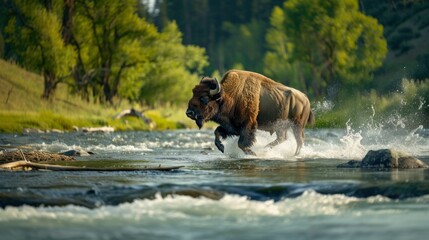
[204, 100]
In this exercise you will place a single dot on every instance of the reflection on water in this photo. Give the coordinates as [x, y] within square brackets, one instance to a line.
[218, 196]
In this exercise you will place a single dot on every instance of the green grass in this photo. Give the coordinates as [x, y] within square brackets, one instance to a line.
[409, 106]
[21, 107]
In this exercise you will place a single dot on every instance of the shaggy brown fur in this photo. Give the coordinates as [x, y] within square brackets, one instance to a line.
[248, 101]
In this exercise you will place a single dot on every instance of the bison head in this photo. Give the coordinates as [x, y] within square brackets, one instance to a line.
[203, 106]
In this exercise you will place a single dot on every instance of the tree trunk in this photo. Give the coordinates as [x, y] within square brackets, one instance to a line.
[107, 90]
[67, 23]
[50, 84]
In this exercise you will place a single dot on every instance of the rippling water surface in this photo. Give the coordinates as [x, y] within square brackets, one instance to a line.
[218, 196]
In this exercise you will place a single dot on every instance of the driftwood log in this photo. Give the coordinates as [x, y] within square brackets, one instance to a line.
[40, 166]
[32, 156]
[33, 160]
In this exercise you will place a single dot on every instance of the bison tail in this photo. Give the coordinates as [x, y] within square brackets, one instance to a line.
[310, 120]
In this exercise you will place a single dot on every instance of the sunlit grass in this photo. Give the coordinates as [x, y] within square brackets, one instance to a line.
[21, 108]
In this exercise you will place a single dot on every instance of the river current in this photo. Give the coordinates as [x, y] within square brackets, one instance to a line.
[218, 196]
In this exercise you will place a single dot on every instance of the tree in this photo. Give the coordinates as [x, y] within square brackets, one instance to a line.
[331, 39]
[250, 54]
[104, 49]
[174, 69]
[108, 38]
[39, 47]
[122, 55]
[211, 24]
[276, 62]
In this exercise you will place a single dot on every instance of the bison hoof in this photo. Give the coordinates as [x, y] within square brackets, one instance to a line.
[249, 152]
[220, 146]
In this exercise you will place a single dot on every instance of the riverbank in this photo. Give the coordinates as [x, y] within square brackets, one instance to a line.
[21, 108]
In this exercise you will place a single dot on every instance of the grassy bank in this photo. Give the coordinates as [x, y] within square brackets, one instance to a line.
[21, 107]
[405, 108]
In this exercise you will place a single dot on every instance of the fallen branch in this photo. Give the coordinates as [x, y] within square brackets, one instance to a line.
[8, 95]
[27, 164]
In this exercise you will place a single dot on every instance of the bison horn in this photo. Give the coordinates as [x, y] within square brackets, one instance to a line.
[216, 90]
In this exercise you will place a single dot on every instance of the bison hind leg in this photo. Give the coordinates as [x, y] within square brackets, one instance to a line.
[280, 128]
[298, 132]
[281, 137]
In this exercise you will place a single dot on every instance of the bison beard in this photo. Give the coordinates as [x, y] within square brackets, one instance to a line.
[245, 101]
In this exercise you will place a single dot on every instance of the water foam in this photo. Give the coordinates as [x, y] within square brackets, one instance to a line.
[283, 151]
[350, 143]
[232, 217]
[348, 146]
[58, 146]
[309, 203]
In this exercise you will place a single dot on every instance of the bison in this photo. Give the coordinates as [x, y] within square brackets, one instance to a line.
[245, 101]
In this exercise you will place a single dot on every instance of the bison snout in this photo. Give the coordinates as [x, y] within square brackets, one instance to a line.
[190, 114]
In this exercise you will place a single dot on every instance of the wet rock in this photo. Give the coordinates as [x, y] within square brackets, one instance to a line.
[385, 159]
[98, 129]
[55, 131]
[31, 130]
[73, 153]
[329, 134]
[350, 164]
[104, 129]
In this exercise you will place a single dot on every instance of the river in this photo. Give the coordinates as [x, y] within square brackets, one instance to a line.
[218, 196]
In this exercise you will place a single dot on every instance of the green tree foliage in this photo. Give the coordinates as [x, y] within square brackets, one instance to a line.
[132, 60]
[247, 40]
[35, 31]
[276, 62]
[111, 43]
[173, 68]
[332, 41]
[230, 31]
[104, 50]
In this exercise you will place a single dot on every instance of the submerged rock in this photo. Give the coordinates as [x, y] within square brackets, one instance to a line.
[73, 152]
[350, 164]
[385, 159]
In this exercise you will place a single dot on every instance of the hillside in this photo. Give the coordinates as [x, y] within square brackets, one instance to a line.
[406, 28]
[21, 107]
[21, 90]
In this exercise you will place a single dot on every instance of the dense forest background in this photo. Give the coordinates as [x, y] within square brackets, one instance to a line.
[151, 51]
[243, 34]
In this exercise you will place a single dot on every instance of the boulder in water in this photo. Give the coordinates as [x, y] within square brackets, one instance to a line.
[74, 152]
[385, 159]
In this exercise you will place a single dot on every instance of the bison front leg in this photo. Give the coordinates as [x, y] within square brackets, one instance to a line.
[220, 132]
[246, 140]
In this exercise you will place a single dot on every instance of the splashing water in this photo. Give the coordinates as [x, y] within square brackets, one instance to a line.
[284, 151]
[352, 143]
[323, 106]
